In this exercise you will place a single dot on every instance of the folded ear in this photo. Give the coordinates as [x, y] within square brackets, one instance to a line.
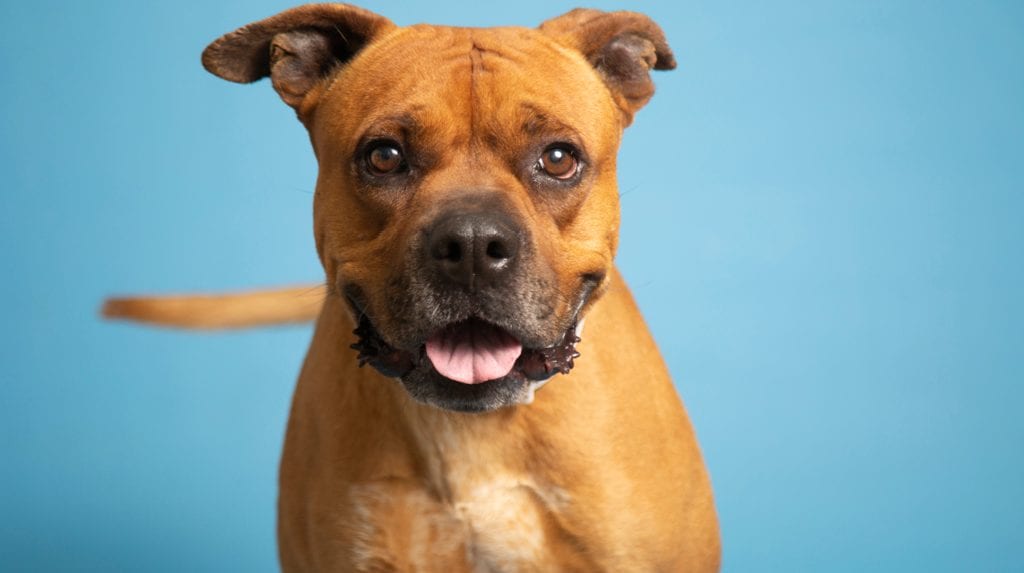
[622, 46]
[296, 48]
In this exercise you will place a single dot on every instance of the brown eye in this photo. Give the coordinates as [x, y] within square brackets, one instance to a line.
[559, 162]
[384, 159]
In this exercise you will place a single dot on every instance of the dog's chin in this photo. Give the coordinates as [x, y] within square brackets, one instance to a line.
[416, 370]
[428, 386]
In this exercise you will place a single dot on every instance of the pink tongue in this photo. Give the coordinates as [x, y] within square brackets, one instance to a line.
[473, 352]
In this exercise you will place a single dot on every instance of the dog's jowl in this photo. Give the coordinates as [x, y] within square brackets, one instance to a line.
[453, 413]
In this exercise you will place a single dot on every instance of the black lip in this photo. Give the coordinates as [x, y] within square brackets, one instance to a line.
[376, 352]
[534, 364]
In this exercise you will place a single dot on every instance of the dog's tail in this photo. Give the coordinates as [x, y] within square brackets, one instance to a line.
[221, 311]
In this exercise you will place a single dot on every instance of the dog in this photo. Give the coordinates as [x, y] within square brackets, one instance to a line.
[466, 215]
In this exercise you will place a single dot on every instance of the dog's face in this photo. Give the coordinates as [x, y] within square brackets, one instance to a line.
[466, 204]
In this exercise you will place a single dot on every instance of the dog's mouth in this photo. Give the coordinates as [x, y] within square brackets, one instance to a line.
[471, 351]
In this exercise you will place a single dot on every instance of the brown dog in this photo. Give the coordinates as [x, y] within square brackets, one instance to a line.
[466, 215]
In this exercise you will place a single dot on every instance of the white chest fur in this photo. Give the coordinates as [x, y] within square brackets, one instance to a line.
[497, 525]
[505, 524]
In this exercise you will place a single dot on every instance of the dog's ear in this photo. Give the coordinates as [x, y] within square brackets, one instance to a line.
[623, 46]
[296, 48]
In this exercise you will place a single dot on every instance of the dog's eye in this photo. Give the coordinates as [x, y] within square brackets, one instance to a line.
[384, 158]
[559, 162]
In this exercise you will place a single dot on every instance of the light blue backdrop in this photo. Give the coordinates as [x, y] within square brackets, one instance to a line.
[822, 221]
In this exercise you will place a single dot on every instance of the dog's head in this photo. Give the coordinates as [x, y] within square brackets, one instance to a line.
[466, 205]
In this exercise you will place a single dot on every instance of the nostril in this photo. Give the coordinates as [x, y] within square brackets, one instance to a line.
[448, 251]
[453, 252]
[497, 250]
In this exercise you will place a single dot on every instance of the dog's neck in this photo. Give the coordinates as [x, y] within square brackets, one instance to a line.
[460, 453]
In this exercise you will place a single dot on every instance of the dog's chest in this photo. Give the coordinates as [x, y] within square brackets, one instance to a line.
[499, 524]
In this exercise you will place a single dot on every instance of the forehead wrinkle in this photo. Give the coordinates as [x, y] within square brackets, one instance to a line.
[475, 67]
[531, 105]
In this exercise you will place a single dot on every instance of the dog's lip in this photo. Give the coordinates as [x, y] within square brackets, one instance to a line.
[359, 310]
[475, 318]
[533, 365]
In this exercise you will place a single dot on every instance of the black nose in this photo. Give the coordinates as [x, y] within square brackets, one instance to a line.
[473, 249]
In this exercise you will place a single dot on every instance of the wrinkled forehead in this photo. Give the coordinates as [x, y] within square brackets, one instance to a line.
[484, 81]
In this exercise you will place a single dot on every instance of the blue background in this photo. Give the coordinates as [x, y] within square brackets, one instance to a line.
[822, 222]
